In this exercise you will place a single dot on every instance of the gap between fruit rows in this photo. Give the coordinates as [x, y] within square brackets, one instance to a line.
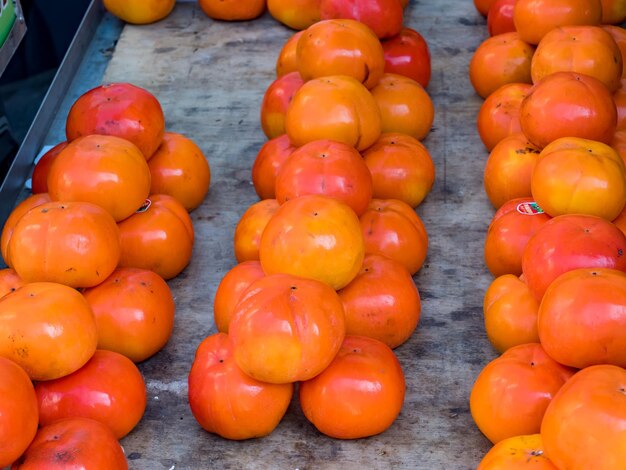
[210, 78]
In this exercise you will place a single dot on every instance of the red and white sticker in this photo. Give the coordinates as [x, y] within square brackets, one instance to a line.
[529, 208]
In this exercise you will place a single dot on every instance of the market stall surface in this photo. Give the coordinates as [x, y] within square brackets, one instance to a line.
[210, 78]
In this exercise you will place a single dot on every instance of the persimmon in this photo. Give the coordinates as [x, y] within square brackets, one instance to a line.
[134, 312]
[37, 332]
[618, 143]
[498, 116]
[569, 242]
[512, 226]
[381, 302]
[39, 180]
[159, 237]
[296, 14]
[104, 170]
[340, 47]
[579, 176]
[619, 97]
[511, 393]
[517, 453]
[22, 208]
[231, 288]
[401, 168]
[108, 388]
[620, 221]
[9, 281]
[79, 442]
[535, 18]
[613, 12]
[407, 54]
[227, 402]
[179, 169]
[404, 105]
[510, 313]
[619, 36]
[383, 17]
[328, 168]
[287, 59]
[499, 60]
[250, 227]
[588, 50]
[286, 328]
[232, 10]
[313, 236]
[19, 415]
[391, 228]
[568, 104]
[276, 102]
[119, 109]
[500, 17]
[482, 6]
[267, 164]
[337, 108]
[359, 394]
[140, 11]
[588, 414]
[44, 244]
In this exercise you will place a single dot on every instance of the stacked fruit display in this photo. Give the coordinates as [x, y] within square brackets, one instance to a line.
[85, 296]
[323, 290]
[557, 307]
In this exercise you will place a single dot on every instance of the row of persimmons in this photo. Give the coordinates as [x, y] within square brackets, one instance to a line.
[85, 296]
[323, 290]
[552, 120]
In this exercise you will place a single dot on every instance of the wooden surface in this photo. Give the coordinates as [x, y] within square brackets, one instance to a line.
[210, 78]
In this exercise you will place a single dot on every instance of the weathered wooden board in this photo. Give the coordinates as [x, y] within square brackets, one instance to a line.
[210, 78]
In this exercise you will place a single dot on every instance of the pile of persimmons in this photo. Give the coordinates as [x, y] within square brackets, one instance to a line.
[323, 290]
[553, 119]
[85, 295]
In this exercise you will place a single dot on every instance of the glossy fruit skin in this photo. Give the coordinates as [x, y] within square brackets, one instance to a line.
[580, 321]
[509, 168]
[9, 281]
[620, 221]
[22, 208]
[286, 328]
[179, 169]
[296, 14]
[512, 392]
[247, 238]
[104, 170]
[482, 6]
[404, 105]
[588, 413]
[267, 164]
[232, 10]
[120, 109]
[287, 59]
[316, 237]
[159, 239]
[587, 50]
[407, 54]
[392, 228]
[229, 403]
[328, 168]
[43, 245]
[517, 453]
[401, 168]
[381, 302]
[360, 394]
[568, 242]
[276, 102]
[19, 415]
[335, 107]
[73, 443]
[499, 60]
[618, 143]
[613, 12]
[134, 312]
[619, 36]
[567, 104]
[140, 11]
[340, 47]
[57, 330]
[535, 18]
[511, 228]
[510, 311]
[108, 388]
[500, 17]
[619, 97]
[384, 17]
[230, 290]
[498, 116]
[40, 172]
[590, 179]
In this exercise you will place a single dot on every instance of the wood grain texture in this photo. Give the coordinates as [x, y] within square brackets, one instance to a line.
[210, 78]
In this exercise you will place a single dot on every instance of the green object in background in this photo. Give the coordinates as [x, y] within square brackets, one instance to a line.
[7, 18]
